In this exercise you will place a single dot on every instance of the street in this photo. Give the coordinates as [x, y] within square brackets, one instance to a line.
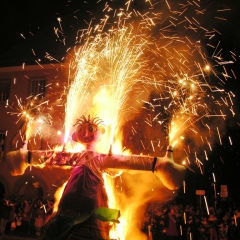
[9, 237]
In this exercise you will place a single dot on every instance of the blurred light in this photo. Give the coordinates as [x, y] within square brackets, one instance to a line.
[207, 68]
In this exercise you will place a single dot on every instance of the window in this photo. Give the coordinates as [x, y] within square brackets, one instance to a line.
[4, 89]
[38, 87]
[2, 144]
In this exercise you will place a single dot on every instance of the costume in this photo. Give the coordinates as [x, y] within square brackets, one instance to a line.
[83, 211]
[83, 198]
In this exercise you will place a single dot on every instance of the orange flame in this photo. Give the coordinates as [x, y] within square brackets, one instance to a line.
[57, 196]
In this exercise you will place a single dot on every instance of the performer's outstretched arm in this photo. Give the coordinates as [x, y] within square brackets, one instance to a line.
[170, 173]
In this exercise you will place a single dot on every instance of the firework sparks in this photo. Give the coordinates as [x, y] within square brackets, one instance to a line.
[125, 64]
[127, 58]
[107, 68]
[30, 114]
[206, 204]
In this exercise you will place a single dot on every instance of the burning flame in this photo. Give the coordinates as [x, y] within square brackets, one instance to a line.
[57, 197]
[115, 71]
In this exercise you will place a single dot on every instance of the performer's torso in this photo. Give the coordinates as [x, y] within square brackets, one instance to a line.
[85, 189]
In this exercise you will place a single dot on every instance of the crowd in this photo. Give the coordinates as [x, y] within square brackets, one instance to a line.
[21, 217]
[24, 218]
[189, 222]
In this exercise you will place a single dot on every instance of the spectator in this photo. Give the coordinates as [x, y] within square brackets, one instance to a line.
[202, 232]
[204, 229]
[42, 210]
[49, 211]
[21, 206]
[15, 201]
[212, 220]
[160, 226]
[39, 224]
[222, 232]
[164, 224]
[26, 218]
[232, 228]
[12, 216]
[4, 215]
[228, 215]
[191, 229]
[18, 220]
[172, 232]
[33, 213]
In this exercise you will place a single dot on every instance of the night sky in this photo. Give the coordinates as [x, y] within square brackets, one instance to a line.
[28, 18]
[24, 19]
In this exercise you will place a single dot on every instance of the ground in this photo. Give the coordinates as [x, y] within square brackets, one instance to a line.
[8, 237]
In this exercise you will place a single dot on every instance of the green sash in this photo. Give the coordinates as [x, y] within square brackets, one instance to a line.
[61, 224]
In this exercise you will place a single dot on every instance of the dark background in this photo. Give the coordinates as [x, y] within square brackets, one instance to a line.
[28, 18]
[23, 20]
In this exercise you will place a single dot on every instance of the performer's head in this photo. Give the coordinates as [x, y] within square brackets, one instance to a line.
[88, 130]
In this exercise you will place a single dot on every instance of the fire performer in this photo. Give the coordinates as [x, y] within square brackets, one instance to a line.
[83, 211]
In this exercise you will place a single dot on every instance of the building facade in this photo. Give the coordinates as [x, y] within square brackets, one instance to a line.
[26, 94]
